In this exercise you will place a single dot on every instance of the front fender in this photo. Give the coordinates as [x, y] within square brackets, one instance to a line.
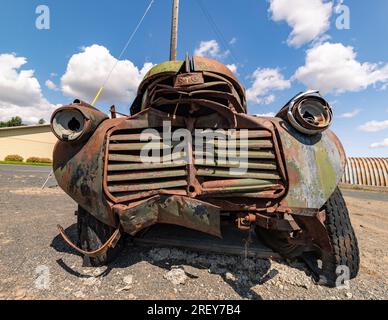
[79, 168]
[314, 164]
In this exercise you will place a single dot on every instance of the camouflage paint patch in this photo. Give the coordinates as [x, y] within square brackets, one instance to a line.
[314, 165]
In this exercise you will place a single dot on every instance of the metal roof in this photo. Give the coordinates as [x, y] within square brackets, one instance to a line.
[367, 172]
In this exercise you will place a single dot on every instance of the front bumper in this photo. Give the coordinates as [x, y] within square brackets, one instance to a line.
[177, 210]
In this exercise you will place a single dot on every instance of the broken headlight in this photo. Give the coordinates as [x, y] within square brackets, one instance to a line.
[76, 122]
[308, 113]
[68, 124]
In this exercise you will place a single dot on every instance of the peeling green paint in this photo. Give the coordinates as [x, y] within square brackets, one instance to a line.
[326, 171]
[313, 165]
[168, 66]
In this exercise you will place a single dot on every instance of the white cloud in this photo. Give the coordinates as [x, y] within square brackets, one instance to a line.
[51, 85]
[233, 41]
[232, 67]
[20, 92]
[333, 67]
[308, 19]
[264, 81]
[349, 115]
[382, 144]
[210, 49]
[374, 126]
[87, 71]
[269, 114]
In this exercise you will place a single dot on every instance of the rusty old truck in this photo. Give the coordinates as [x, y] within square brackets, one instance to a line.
[169, 162]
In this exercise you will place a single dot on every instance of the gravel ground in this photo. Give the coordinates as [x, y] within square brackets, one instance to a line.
[35, 264]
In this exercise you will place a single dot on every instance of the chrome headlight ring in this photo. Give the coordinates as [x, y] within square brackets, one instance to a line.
[68, 124]
[309, 113]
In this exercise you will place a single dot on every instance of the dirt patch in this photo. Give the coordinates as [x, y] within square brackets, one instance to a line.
[370, 220]
[364, 188]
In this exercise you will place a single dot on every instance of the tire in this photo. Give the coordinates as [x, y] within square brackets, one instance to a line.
[342, 238]
[92, 234]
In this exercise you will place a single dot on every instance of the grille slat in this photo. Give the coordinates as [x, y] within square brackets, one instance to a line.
[241, 154]
[148, 186]
[138, 159]
[250, 144]
[134, 137]
[223, 187]
[147, 175]
[132, 196]
[251, 134]
[206, 172]
[138, 146]
[236, 164]
[236, 183]
[145, 166]
[256, 195]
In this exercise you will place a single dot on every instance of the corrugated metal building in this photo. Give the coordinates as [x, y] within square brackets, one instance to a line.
[367, 172]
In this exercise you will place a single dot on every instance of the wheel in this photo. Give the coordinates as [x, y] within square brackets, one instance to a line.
[342, 239]
[92, 234]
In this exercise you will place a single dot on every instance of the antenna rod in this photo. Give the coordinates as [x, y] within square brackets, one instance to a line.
[174, 30]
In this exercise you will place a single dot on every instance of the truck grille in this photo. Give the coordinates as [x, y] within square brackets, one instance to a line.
[129, 179]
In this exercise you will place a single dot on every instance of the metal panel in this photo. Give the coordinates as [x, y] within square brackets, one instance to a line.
[315, 165]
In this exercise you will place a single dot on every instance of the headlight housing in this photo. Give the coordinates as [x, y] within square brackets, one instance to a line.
[68, 124]
[308, 113]
[76, 122]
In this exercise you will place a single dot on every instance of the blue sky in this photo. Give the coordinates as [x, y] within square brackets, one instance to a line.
[259, 38]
